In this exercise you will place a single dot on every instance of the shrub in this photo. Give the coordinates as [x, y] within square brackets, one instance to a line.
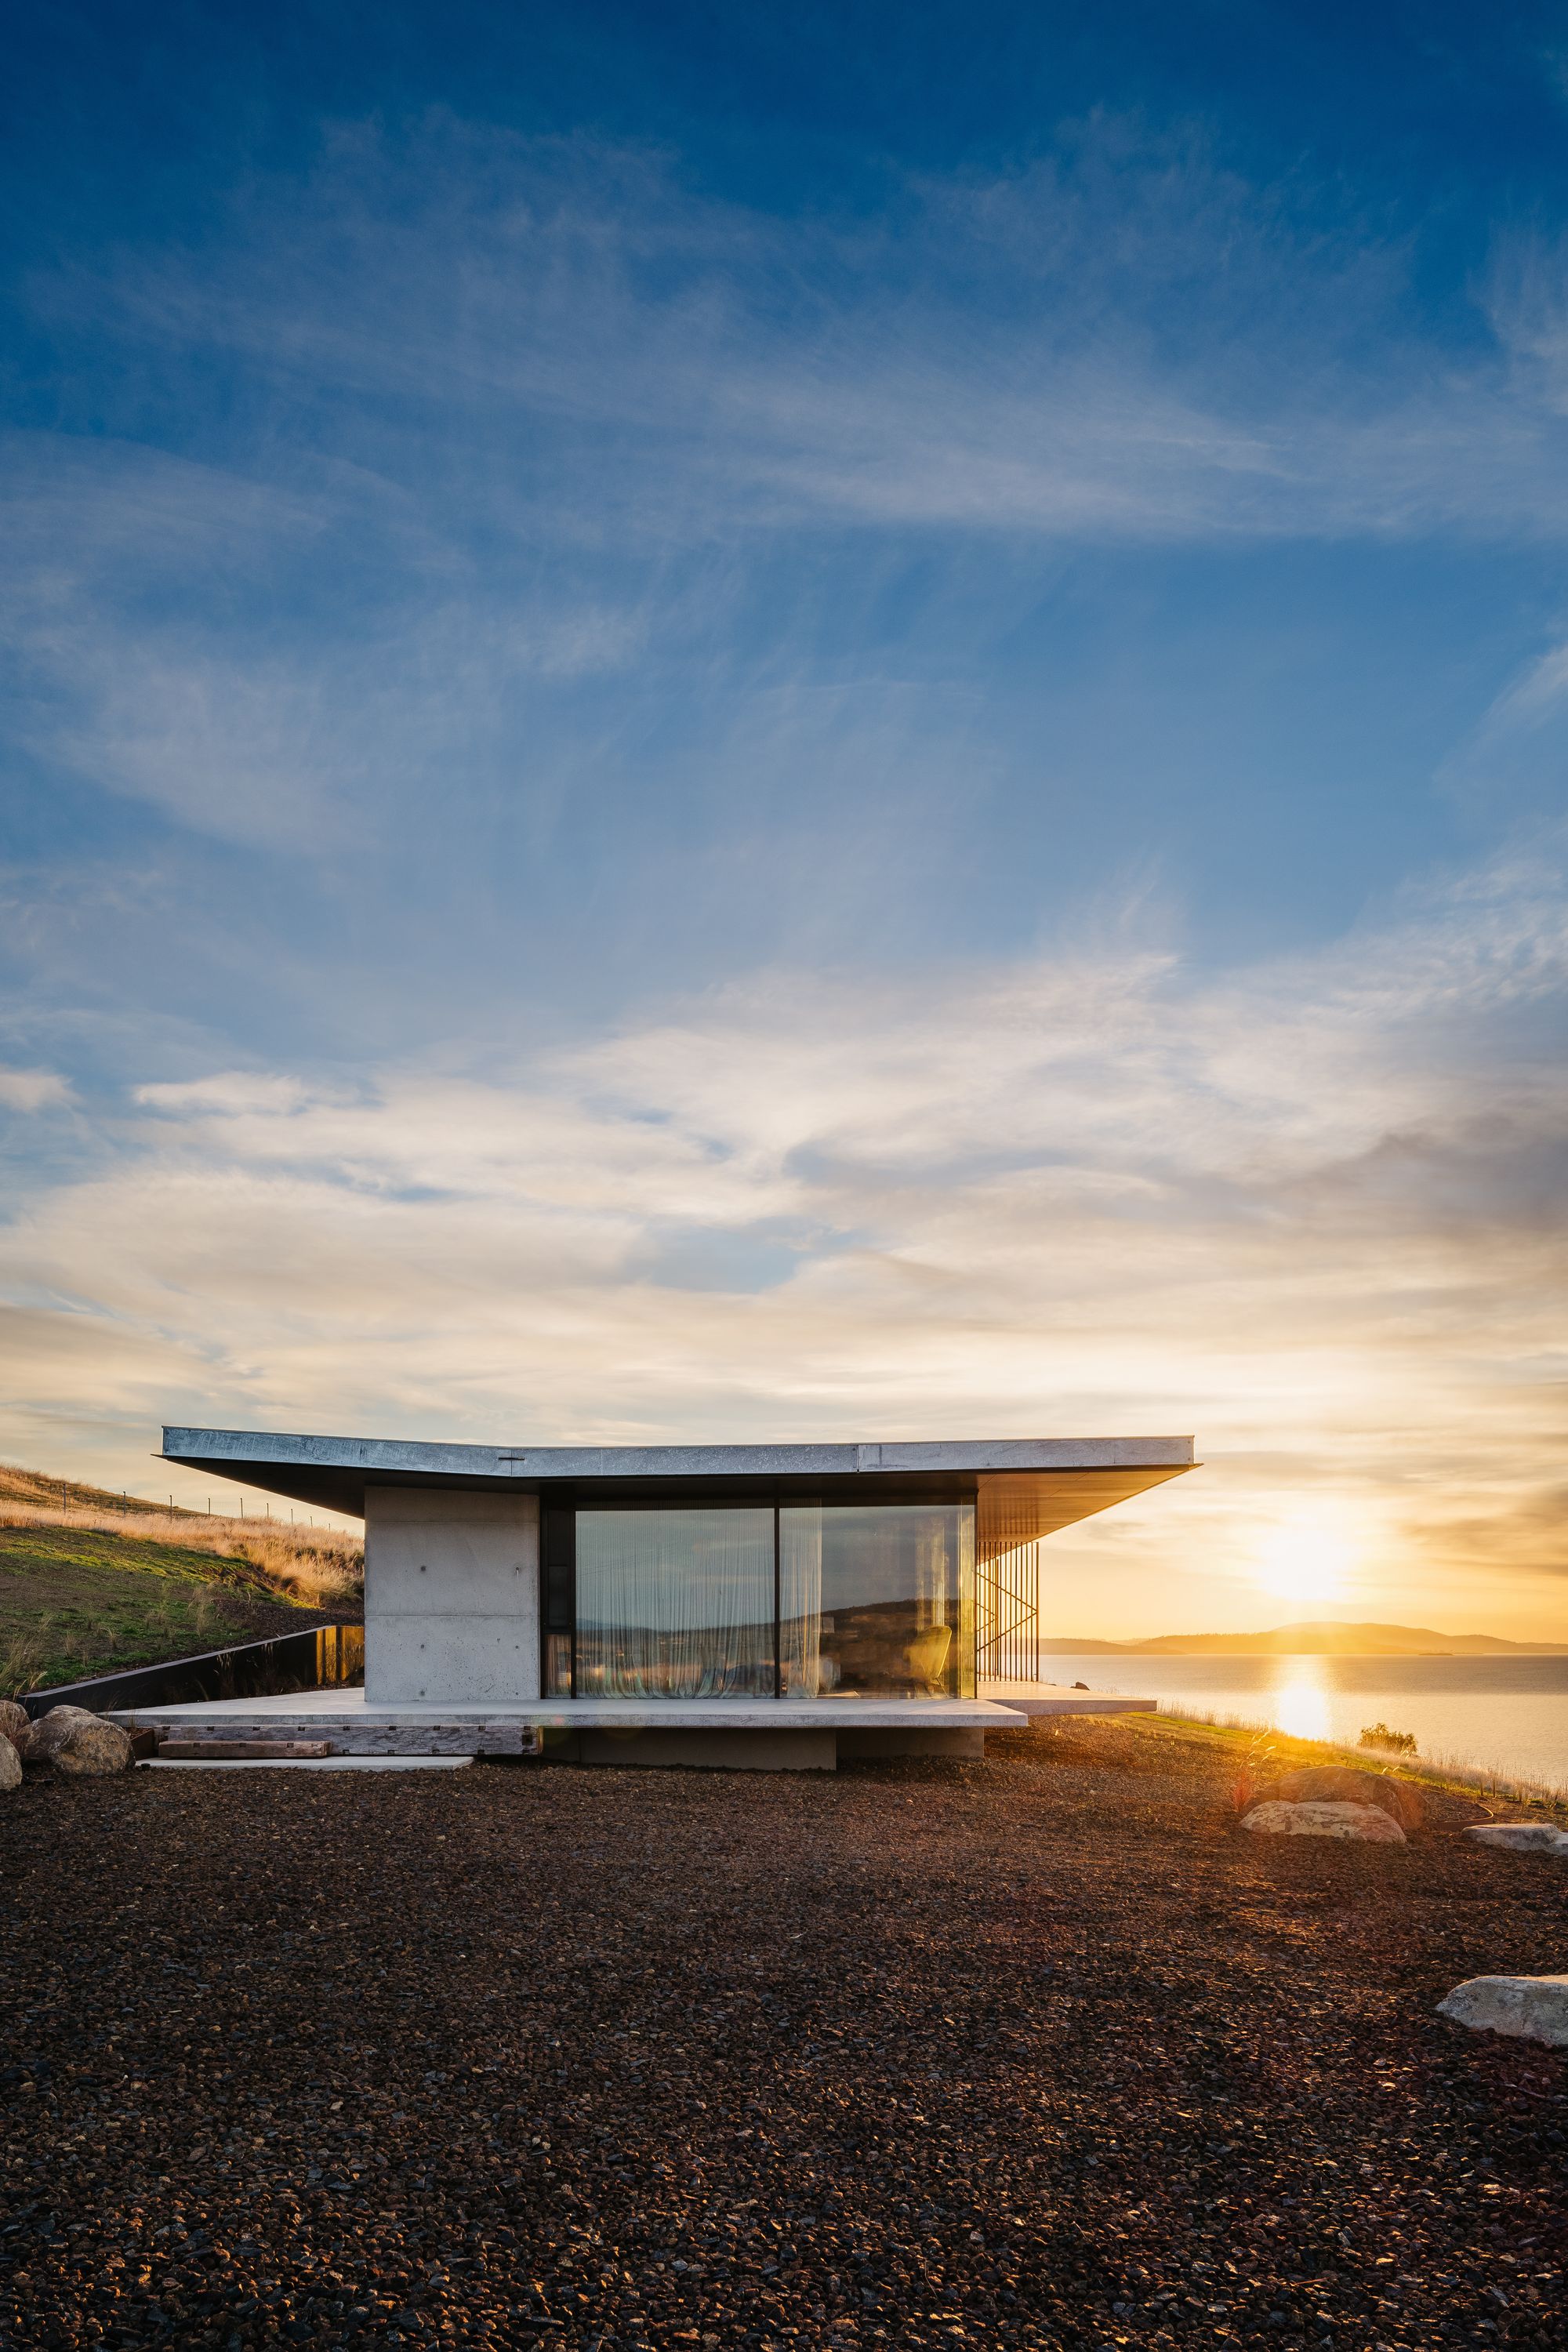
[1399, 1743]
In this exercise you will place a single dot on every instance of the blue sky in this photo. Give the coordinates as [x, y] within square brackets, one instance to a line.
[834, 721]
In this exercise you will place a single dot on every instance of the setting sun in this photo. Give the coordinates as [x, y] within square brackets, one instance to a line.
[1309, 1558]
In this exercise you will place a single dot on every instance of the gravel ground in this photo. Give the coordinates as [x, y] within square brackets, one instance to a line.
[1036, 2053]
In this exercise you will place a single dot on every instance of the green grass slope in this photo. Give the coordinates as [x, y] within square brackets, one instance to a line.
[77, 1601]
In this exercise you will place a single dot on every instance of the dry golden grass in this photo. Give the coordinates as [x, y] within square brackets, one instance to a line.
[317, 1567]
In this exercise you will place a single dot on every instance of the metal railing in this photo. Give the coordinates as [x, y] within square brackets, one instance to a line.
[321, 1657]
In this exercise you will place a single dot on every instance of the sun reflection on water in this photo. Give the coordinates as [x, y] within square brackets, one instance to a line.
[1299, 1704]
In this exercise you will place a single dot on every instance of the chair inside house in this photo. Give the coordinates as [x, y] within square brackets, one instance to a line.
[926, 1659]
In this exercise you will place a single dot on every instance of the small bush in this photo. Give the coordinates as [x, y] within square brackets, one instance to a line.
[1398, 1743]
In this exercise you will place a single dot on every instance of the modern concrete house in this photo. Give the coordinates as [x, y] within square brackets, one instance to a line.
[725, 1604]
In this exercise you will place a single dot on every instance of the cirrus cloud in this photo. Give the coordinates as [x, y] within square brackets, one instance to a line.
[1310, 1210]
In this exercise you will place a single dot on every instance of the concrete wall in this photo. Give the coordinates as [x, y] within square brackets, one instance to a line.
[913, 1742]
[451, 1596]
[721, 1751]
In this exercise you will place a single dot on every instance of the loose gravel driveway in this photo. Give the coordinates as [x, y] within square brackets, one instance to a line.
[1035, 2053]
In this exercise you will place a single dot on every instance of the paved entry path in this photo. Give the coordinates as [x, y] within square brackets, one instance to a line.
[1036, 2053]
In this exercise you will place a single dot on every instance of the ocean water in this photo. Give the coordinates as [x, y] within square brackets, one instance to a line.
[1507, 1715]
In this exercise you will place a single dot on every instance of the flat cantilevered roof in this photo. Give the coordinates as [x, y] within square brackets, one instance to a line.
[1032, 1484]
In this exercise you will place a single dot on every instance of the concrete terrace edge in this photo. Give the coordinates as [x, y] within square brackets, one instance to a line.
[742, 1735]
[327, 1709]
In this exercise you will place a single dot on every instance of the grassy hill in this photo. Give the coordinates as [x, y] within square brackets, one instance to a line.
[102, 1583]
[46, 1493]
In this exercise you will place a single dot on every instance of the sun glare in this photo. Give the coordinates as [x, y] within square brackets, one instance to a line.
[1300, 1703]
[1307, 1560]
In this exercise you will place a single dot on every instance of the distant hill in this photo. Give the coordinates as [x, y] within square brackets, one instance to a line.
[1325, 1639]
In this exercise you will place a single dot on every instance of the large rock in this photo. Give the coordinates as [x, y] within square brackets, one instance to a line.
[76, 1742]
[13, 1724]
[1279, 1818]
[1521, 1837]
[10, 1765]
[47, 1731]
[1342, 1784]
[1535, 2008]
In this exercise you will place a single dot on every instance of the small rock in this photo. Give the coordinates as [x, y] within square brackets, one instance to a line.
[13, 1724]
[10, 1765]
[1277, 1818]
[1521, 1837]
[76, 1742]
[1533, 2008]
[1342, 1784]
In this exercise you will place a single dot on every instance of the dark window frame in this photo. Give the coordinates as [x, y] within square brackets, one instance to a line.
[558, 1581]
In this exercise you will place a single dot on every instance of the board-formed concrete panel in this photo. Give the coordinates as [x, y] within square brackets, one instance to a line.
[451, 1596]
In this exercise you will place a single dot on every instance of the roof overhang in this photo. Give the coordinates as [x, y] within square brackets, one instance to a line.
[1026, 1486]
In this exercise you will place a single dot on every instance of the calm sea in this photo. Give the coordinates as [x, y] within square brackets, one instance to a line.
[1507, 1713]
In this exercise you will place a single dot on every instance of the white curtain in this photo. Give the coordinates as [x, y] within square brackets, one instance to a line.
[675, 1604]
[800, 1601]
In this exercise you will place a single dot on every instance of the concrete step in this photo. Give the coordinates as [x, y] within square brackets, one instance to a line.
[221, 1751]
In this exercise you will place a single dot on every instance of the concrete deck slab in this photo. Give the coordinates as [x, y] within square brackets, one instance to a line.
[355, 1727]
[305, 1763]
[620, 1713]
[1056, 1698]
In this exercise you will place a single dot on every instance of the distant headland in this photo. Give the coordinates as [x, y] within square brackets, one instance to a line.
[1328, 1638]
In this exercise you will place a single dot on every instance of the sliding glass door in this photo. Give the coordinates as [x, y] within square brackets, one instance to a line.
[876, 1601]
[675, 1604]
[800, 1600]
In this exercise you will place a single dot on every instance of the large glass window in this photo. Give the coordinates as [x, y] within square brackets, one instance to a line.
[809, 1601]
[877, 1600]
[675, 1603]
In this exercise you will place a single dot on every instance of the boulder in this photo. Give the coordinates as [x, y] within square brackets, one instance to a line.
[76, 1742]
[1534, 2007]
[1342, 1784]
[10, 1765]
[1315, 1818]
[13, 1724]
[47, 1731]
[93, 1747]
[1521, 1837]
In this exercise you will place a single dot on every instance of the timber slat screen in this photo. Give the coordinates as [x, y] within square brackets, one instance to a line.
[1006, 1591]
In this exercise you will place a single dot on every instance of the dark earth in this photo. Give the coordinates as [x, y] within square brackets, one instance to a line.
[1039, 2052]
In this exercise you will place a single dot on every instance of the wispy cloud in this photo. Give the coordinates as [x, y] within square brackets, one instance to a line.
[521, 415]
[32, 1090]
[485, 581]
[1123, 340]
[1308, 1209]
